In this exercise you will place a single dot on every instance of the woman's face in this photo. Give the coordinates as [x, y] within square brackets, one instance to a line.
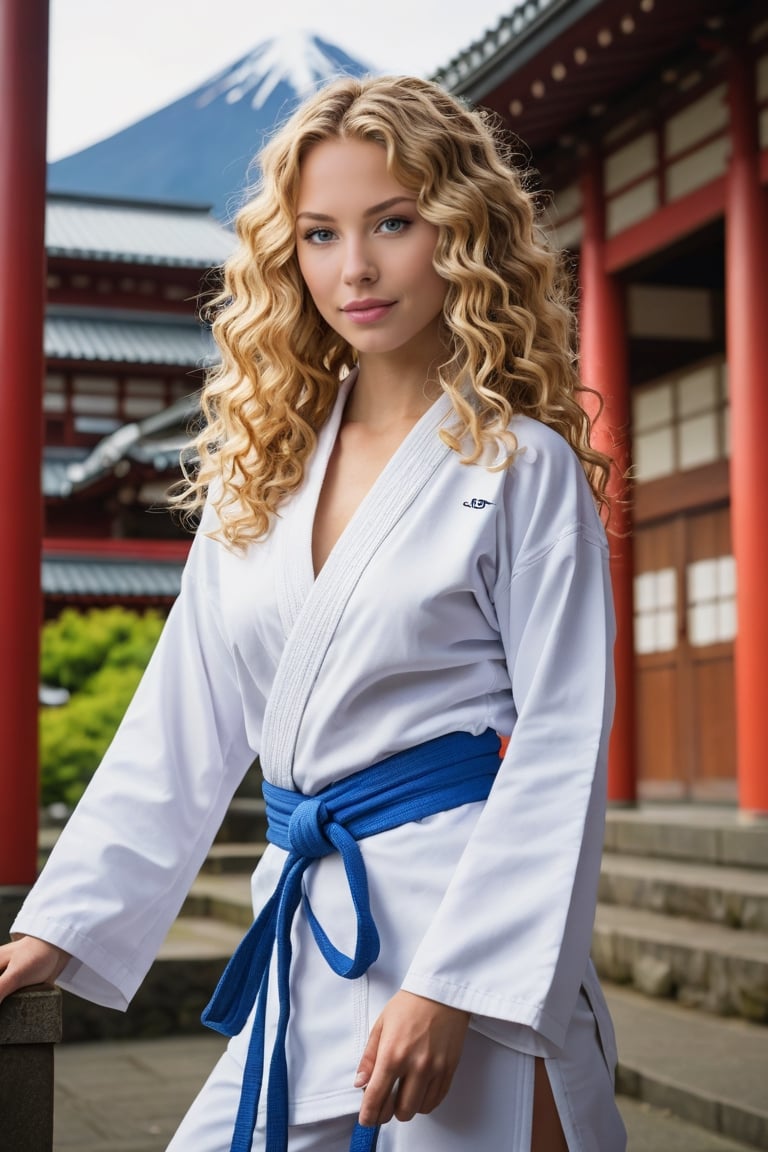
[365, 252]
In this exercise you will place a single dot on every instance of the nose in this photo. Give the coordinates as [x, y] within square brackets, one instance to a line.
[359, 266]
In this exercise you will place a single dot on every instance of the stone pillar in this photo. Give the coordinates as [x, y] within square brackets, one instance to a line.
[23, 90]
[30, 1025]
[746, 255]
[604, 368]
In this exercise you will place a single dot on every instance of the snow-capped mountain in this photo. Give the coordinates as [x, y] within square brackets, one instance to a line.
[199, 149]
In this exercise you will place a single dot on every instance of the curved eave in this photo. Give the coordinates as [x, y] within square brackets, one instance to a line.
[537, 85]
[94, 578]
[487, 62]
[70, 336]
[141, 259]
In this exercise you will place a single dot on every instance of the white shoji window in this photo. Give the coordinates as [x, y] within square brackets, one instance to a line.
[681, 422]
[711, 601]
[55, 395]
[143, 396]
[95, 395]
[656, 611]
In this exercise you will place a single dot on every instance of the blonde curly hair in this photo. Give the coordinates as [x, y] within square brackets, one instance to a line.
[507, 316]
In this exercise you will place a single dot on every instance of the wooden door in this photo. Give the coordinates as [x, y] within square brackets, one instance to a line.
[684, 631]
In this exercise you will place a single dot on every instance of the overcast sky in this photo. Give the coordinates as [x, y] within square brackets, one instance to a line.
[115, 61]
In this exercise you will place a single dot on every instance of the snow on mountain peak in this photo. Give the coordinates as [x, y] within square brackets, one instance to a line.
[225, 120]
[294, 58]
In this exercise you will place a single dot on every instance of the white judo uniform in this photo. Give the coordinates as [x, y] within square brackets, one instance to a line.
[457, 599]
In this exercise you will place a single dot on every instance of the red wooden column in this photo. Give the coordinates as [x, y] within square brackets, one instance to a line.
[604, 368]
[23, 91]
[746, 254]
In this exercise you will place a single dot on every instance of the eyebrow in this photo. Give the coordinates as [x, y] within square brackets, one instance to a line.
[373, 211]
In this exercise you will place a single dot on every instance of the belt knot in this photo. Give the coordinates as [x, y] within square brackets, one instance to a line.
[306, 829]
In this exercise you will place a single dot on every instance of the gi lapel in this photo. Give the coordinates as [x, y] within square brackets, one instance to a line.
[314, 621]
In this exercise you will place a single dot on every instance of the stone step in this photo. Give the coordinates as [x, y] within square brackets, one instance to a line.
[227, 858]
[652, 1129]
[702, 965]
[706, 1070]
[735, 897]
[177, 988]
[245, 822]
[709, 835]
[226, 898]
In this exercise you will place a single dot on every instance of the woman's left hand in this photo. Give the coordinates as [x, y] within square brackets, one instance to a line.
[410, 1058]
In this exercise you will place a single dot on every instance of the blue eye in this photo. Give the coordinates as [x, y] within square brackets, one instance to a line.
[393, 224]
[319, 235]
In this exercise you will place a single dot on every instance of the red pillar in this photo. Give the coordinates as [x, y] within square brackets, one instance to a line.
[604, 368]
[746, 253]
[23, 91]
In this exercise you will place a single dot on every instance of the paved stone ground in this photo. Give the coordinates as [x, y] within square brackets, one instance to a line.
[128, 1096]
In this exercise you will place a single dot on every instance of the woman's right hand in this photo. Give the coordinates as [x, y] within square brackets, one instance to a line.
[29, 961]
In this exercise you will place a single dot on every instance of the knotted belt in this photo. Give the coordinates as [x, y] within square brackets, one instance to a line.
[433, 777]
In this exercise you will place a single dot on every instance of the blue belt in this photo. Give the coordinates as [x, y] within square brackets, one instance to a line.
[444, 773]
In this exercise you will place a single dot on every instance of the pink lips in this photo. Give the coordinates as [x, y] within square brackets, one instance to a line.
[366, 311]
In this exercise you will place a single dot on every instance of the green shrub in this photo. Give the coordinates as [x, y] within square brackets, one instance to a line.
[99, 656]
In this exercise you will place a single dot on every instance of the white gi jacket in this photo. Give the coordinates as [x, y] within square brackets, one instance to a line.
[456, 599]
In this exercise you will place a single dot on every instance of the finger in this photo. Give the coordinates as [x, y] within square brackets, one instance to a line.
[379, 1097]
[32, 964]
[388, 1109]
[412, 1094]
[9, 982]
[435, 1093]
[420, 1096]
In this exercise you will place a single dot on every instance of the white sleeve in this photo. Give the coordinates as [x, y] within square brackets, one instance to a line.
[512, 935]
[125, 861]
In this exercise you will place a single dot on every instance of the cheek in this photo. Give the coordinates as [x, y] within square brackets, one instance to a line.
[304, 269]
[313, 279]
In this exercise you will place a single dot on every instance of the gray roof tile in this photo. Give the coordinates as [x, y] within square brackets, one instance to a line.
[463, 70]
[140, 340]
[135, 233]
[80, 576]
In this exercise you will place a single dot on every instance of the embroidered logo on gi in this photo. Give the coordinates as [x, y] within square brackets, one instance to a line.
[477, 502]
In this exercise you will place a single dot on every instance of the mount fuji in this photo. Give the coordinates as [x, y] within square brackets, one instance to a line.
[200, 148]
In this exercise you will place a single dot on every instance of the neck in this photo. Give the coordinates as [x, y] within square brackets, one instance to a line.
[389, 398]
[393, 389]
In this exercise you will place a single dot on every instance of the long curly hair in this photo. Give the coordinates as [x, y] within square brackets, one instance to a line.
[508, 320]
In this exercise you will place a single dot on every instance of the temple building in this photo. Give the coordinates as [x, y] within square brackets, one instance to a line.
[125, 355]
[646, 127]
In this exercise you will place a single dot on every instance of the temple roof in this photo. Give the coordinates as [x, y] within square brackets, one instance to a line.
[124, 231]
[74, 577]
[126, 338]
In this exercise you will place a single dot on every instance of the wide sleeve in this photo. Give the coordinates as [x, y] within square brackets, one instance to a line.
[127, 857]
[512, 935]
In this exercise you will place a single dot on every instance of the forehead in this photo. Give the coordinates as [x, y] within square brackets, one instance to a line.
[346, 172]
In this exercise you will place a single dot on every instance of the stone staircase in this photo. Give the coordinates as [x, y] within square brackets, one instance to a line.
[681, 943]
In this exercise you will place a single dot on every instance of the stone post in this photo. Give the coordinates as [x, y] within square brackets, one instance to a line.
[30, 1025]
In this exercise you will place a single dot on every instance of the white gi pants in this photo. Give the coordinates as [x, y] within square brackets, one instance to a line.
[488, 1108]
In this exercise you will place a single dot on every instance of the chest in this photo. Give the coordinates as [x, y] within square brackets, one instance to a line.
[358, 458]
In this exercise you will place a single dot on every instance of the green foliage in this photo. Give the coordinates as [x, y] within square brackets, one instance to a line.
[99, 656]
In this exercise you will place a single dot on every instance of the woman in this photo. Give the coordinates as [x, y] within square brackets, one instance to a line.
[400, 555]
